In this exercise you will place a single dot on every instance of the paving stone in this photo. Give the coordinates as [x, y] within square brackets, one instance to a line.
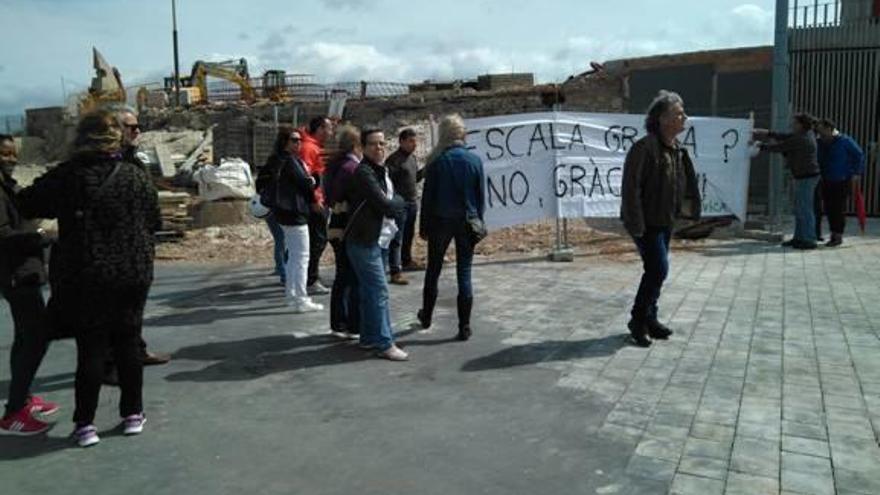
[864, 482]
[651, 468]
[685, 484]
[770, 429]
[806, 446]
[755, 456]
[807, 474]
[804, 430]
[665, 449]
[700, 447]
[703, 467]
[747, 484]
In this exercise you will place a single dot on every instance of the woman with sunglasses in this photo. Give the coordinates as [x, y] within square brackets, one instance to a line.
[288, 190]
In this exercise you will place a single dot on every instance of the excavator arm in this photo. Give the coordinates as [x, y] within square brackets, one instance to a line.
[223, 70]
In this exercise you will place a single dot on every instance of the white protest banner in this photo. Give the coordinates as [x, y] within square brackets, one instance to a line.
[569, 165]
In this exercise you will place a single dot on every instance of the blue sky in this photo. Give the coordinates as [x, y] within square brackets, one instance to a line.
[347, 40]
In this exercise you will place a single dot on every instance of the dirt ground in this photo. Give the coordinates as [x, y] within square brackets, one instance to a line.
[251, 243]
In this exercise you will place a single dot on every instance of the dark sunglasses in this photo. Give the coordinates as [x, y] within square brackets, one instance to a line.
[132, 127]
[295, 140]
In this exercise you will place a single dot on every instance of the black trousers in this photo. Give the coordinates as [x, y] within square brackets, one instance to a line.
[118, 333]
[835, 195]
[817, 206]
[344, 304]
[29, 343]
[317, 243]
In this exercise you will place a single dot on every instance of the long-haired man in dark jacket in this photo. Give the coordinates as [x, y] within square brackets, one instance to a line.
[659, 185]
[21, 278]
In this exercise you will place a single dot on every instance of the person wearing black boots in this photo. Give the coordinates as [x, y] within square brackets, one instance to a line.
[453, 194]
[659, 185]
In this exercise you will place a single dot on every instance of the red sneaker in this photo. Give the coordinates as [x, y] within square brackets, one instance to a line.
[22, 424]
[37, 405]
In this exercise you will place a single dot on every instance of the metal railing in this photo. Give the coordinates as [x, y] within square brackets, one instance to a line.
[303, 88]
[12, 124]
[806, 14]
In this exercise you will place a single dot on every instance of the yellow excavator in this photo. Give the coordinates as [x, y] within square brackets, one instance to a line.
[230, 70]
[275, 85]
[106, 87]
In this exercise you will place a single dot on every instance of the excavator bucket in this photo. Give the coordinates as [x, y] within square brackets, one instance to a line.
[106, 79]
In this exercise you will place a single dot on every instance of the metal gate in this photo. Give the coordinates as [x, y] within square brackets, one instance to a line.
[835, 74]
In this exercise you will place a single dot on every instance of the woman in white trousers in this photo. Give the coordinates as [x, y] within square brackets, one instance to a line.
[289, 191]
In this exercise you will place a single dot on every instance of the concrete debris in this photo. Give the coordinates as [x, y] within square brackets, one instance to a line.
[166, 151]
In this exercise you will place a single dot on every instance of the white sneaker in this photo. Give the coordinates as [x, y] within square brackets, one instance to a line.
[134, 424]
[394, 353]
[339, 335]
[307, 307]
[86, 436]
[317, 289]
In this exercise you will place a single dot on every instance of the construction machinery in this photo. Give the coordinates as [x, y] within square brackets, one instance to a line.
[106, 87]
[230, 70]
[275, 85]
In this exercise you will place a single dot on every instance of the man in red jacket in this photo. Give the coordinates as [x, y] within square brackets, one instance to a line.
[313, 138]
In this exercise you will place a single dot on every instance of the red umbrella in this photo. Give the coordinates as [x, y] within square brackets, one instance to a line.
[860, 206]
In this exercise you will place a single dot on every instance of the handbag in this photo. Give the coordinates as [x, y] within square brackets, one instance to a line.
[476, 229]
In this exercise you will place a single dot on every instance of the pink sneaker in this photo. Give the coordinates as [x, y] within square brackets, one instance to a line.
[23, 424]
[37, 405]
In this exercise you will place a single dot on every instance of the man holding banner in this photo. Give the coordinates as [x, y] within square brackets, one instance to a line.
[659, 185]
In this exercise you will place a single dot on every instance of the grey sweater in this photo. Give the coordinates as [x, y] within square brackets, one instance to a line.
[799, 151]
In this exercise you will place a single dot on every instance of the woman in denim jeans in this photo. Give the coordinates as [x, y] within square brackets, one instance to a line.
[453, 193]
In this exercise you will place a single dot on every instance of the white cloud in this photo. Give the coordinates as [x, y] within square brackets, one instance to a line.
[344, 4]
[754, 14]
[348, 62]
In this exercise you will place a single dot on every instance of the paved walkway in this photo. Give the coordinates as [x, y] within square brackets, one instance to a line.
[771, 384]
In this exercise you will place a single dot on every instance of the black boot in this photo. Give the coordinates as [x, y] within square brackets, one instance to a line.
[429, 298]
[638, 330]
[465, 305]
[658, 330]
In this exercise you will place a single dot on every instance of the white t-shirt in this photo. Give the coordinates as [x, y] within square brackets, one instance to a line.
[389, 226]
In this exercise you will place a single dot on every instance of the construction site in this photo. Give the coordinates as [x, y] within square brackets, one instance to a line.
[224, 115]
[220, 115]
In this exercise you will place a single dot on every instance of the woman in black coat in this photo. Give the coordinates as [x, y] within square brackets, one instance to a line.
[101, 268]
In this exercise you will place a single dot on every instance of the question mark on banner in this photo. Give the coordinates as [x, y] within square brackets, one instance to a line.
[727, 145]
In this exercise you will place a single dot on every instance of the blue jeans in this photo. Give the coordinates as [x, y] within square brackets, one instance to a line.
[400, 249]
[804, 212]
[366, 261]
[443, 231]
[278, 237]
[654, 249]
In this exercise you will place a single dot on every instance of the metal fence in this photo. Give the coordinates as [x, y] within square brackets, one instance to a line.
[835, 73]
[806, 14]
[303, 88]
[12, 124]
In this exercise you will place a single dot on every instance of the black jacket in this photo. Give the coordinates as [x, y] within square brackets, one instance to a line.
[659, 185]
[105, 231]
[21, 247]
[287, 189]
[368, 203]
